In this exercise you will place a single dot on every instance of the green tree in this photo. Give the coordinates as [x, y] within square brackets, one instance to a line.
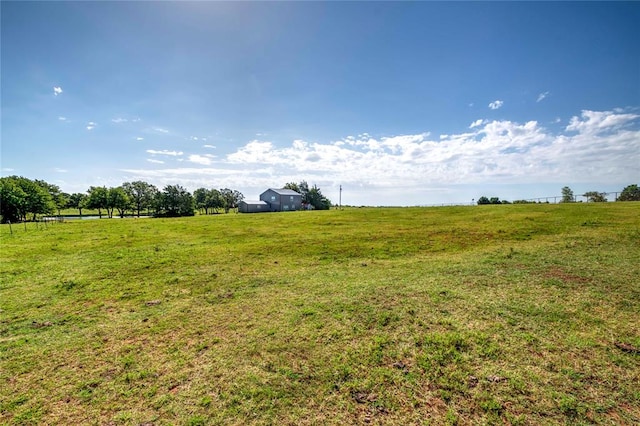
[230, 199]
[483, 200]
[13, 200]
[77, 201]
[630, 193]
[38, 199]
[214, 200]
[174, 200]
[567, 195]
[141, 194]
[200, 198]
[117, 199]
[315, 198]
[595, 196]
[97, 199]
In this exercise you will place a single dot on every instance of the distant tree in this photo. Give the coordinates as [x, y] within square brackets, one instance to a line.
[317, 200]
[495, 200]
[214, 200]
[483, 200]
[523, 202]
[200, 199]
[117, 199]
[630, 193]
[292, 186]
[230, 199]
[595, 197]
[141, 194]
[174, 200]
[77, 201]
[567, 195]
[97, 199]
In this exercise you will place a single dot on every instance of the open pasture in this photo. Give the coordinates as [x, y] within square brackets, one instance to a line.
[508, 314]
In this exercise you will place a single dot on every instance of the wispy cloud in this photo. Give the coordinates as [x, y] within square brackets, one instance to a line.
[165, 152]
[478, 122]
[542, 96]
[209, 146]
[7, 169]
[496, 104]
[61, 118]
[151, 160]
[57, 90]
[91, 125]
[139, 138]
[160, 130]
[59, 170]
[119, 120]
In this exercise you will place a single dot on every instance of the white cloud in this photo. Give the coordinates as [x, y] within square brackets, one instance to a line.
[165, 152]
[151, 160]
[119, 120]
[478, 122]
[592, 122]
[139, 138]
[194, 138]
[61, 118]
[209, 146]
[200, 159]
[496, 104]
[542, 96]
[595, 147]
[57, 90]
[91, 125]
[59, 170]
[7, 169]
[160, 130]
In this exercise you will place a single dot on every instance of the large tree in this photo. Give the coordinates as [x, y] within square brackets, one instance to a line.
[317, 200]
[630, 193]
[174, 200]
[25, 197]
[13, 200]
[567, 195]
[230, 198]
[141, 194]
[97, 198]
[117, 199]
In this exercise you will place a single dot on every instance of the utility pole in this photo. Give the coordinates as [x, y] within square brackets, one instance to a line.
[340, 199]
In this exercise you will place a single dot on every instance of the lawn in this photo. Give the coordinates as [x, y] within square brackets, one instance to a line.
[507, 314]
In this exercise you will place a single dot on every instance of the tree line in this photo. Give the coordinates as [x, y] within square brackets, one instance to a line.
[23, 199]
[629, 193]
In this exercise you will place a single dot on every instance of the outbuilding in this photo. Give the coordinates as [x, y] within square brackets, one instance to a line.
[252, 206]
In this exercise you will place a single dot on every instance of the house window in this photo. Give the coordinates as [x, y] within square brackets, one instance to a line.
[285, 207]
[291, 198]
[273, 198]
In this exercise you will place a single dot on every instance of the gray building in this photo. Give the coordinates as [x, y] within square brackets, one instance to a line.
[253, 206]
[280, 200]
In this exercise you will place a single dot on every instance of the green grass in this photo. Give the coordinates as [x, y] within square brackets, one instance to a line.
[513, 314]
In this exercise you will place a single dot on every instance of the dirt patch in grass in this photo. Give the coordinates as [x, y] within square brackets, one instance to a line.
[566, 277]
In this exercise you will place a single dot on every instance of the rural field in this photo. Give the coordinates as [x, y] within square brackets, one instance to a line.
[507, 314]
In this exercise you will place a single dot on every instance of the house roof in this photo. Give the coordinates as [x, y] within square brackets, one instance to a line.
[284, 191]
[253, 202]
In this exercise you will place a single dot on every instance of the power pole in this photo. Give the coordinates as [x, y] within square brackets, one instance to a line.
[340, 199]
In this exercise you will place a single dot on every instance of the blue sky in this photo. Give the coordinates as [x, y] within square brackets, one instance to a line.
[400, 103]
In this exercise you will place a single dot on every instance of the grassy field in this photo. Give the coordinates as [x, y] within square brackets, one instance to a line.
[511, 314]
